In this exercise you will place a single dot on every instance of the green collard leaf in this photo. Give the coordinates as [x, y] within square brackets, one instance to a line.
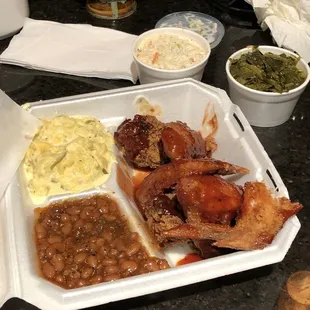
[267, 72]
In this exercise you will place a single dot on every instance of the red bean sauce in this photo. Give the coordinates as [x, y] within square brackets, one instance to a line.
[87, 241]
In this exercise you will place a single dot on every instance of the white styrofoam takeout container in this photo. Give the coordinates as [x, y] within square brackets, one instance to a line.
[185, 100]
[149, 74]
[261, 108]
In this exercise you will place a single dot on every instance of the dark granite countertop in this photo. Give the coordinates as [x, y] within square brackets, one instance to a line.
[288, 146]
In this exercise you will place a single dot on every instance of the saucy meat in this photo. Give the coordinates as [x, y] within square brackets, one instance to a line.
[88, 241]
[181, 142]
[140, 141]
[147, 142]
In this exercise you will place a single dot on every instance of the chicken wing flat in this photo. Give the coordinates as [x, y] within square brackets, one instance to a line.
[160, 213]
[166, 176]
[208, 198]
[180, 142]
[260, 219]
[140, 141]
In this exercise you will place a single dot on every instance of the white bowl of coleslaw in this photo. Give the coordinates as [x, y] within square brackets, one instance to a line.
[170, 53]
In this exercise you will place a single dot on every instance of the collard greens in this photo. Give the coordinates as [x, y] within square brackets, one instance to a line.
[267, 72]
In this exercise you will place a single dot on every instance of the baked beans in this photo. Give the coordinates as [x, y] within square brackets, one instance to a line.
[87, 241]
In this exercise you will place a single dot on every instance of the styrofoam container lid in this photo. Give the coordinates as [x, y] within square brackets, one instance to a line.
[207, 26]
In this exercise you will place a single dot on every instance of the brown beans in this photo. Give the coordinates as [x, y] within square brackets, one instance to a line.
[114, 252]
[129, 265]
[152, 265]
[104, 251]
[86, 213]
[111, 269]
[107, 235]
[111, 277]
[59, 266]
[100, 242]
[76, 275]
[74, 218]
[60, 247]
[92, 261]
[163, 264]
[64, 218]
[81, 283]
[66, 228]
[59, 278]
[80, 258]
[74, 211]
[108, 262]
[119, 244]
[40, 231]
[54, 239]
[88, 241]
[96, 279]
[86, 273]
[78, 224]
[134, 236]
[48, 271]
[58, 262]
[109, 217]
[50, 252]
[133, 248]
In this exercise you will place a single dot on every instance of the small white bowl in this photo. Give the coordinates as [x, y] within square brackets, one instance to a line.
[265, 109]
[149, 74]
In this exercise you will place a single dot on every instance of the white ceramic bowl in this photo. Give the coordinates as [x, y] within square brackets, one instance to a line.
[149, 74]
[265, 109]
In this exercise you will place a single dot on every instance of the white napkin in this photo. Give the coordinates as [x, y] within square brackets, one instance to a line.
[17, 128]
[74, 49]
[288, 21]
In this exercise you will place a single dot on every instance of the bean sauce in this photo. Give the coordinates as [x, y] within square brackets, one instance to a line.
[88, 241]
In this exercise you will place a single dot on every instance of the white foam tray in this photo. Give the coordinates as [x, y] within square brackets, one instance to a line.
[185, 100]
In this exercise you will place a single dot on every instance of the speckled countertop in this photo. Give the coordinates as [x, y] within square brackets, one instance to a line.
[288, 146]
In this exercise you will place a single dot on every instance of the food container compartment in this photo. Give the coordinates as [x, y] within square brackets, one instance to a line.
[237, 144]
[265, 109]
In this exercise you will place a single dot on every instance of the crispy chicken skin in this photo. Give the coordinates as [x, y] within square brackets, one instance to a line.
[260, 219]
[140, 141]
[208, 198]
[161, 214]
[165, 176]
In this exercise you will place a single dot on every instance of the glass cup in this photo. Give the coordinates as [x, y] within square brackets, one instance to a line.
[296, 292]
[111, 9]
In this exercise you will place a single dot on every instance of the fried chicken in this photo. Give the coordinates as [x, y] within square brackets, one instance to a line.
[140, 141]
[163, 216]
[260, 219]
[148, 143]
[208, 199]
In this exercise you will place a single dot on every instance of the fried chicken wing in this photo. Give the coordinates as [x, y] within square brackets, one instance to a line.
[161, 215]
[260, 219]
[140, 141]
[166, 176]
[208, 198]
[180, 142]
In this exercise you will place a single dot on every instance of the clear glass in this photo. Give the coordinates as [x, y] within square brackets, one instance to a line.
[111, 9]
